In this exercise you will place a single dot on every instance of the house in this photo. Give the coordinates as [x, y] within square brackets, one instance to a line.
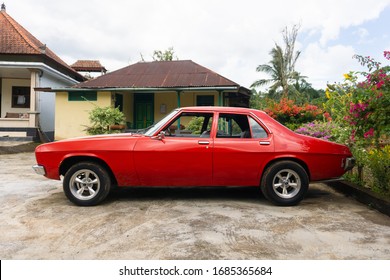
[25, 64]
[89, 68]
[145, 92]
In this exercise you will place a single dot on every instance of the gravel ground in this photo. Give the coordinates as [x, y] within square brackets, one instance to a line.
[38, 222]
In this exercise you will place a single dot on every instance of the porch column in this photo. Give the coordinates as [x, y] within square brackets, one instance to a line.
[178, 106]
[33, 98]
[178, 99]
[220, 99]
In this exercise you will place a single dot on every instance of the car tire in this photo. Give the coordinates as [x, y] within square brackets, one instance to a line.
[285, 183]
[86, 184]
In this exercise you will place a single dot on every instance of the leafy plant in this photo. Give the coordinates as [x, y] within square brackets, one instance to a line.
[102, 118]
[195, 125]
[379, 164]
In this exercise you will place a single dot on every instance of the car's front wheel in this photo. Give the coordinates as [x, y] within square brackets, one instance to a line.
[285, 183]
[86, 184]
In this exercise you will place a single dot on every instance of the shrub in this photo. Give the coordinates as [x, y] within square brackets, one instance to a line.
[195, 125]
[363, 104]
[378, 161]
[291, 114]
[331, 131]
[102, 118]
[323, 130]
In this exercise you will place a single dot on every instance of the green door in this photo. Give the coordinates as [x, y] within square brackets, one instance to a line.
[143, 110]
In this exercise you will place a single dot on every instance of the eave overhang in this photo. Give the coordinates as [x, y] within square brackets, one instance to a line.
[38, 66]
[238, 89]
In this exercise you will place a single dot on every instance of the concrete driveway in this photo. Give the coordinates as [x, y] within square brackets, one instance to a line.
[38, 222]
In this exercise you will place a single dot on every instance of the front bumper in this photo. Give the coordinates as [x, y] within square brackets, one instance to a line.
[349, 163]
[39, 169]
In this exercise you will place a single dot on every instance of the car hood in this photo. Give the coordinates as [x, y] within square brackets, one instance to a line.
[90, 143]
[103, 137]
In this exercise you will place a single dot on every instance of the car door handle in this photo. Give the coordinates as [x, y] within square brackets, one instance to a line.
[203, 142]
[263, 143]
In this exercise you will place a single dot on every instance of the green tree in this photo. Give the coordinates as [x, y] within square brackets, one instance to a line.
[167, 55]
[306, 93]
[281, 67]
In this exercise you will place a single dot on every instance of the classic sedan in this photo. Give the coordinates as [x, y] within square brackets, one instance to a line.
[196, 146]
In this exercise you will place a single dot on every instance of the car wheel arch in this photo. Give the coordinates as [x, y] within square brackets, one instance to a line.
[293, 159]
[70, 161]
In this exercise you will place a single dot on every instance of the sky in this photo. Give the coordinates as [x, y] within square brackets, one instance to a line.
[230, 37]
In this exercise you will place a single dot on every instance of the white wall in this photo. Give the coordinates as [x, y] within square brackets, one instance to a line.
[46, 102]
[6, 95]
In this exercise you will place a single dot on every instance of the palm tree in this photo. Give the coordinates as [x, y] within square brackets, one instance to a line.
[281, 67]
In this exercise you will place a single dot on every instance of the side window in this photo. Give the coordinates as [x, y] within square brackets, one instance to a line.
[190, 125]
[20, 97]
[233, 126]
[257, 130]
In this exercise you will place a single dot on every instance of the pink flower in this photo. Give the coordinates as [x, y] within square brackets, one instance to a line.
[369, 133]
[353, 135]
[386, 54]
[380, 84]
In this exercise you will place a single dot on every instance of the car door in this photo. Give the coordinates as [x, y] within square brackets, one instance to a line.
[180, 156]
[241, 146]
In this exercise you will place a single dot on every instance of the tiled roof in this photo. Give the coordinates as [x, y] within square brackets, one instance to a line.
[160, 74]
[88, 65]
[16, 40]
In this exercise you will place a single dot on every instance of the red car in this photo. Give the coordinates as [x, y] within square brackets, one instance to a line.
[196, 146]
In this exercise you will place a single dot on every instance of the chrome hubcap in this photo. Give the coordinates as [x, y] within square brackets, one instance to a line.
[286, 183]
[84, 184]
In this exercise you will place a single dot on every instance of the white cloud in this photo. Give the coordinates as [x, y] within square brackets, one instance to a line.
[315, 63]
[228, 36]
[362, 33]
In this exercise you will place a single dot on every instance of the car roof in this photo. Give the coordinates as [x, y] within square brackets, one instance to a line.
[218, 109]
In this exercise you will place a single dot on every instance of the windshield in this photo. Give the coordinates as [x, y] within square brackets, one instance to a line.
[154, 128]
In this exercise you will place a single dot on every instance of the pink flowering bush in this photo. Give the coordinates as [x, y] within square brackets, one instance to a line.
[361, 104]
[323, 130]
[364, 105]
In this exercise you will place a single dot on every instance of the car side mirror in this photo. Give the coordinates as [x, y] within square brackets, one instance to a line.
[159, 136]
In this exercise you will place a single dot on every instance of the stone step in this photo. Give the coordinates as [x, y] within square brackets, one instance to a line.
[16, 138]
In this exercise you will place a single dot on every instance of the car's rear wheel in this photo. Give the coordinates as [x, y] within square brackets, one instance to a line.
[285, 183]
[86, 184]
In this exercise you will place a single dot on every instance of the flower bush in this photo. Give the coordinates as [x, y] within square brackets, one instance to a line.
[330, 131]
[362, 104]
[292, 115]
